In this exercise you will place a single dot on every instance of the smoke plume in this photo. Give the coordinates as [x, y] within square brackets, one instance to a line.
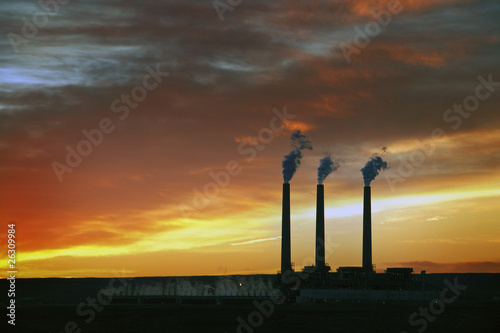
[326, 167]
[292, 161]
[372, 168]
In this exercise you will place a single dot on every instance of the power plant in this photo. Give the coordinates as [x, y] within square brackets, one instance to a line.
[317, 282]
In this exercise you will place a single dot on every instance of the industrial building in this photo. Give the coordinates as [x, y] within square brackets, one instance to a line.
[318, 283]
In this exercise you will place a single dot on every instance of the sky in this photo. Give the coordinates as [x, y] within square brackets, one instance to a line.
[146, 137]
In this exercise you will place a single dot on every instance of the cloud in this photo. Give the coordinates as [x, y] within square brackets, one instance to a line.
[255, 241]
[436, 240]
[365, 7]
[436, 218]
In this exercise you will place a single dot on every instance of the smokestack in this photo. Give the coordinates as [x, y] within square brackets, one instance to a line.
[320, 226]
[367, 230]
[286, 258]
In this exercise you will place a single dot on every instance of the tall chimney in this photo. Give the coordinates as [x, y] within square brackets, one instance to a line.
[286, 258]
[320, 226]
[367, 230]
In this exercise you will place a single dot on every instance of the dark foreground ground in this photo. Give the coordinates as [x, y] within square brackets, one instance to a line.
[52, 305]
[348, 317]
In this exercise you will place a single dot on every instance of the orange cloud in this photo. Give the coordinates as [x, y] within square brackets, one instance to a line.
[299, 125]
[423, 57]
[290, 125]
[365, 7]
[250, 140]
[436, 55]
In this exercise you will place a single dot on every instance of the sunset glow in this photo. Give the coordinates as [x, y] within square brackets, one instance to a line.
[186, 179]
